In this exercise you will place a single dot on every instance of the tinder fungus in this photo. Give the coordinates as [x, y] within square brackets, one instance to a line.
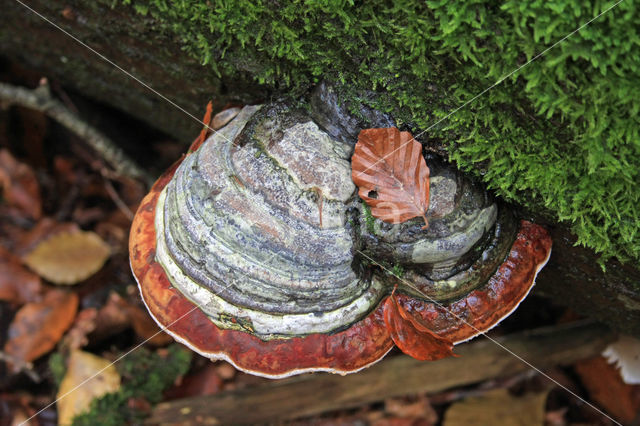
[255, 248]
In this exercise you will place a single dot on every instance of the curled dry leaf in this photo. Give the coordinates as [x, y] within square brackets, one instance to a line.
[391, 174]
[17, 284]
[411, 336]
[68, 258]
[82, 366]
[19, 187]
[37, 327]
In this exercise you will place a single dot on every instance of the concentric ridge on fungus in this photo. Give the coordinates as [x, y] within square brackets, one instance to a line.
[263, 234]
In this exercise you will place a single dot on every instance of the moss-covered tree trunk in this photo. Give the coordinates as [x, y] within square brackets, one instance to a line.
[150, 50]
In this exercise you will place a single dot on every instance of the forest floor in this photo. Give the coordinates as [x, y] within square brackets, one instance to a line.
[69, 306]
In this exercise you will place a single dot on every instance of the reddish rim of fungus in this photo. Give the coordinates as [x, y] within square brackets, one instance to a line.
[350, 350]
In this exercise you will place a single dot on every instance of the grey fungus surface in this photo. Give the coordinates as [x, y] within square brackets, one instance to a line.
[255, 248]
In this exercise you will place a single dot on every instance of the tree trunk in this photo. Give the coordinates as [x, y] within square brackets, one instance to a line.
[572, 277]
[132, 42]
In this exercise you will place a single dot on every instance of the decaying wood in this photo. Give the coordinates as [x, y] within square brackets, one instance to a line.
[394, 376]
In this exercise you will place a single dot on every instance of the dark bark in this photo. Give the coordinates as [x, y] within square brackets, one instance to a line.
[572, 277]
[129, 40]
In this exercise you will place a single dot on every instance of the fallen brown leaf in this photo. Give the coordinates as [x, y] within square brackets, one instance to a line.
[44, 229]
[18, 285]
[38, 326]
[498, 407]
[34, 126]
[78, 392]
[19, 187]
[225, 370]
[139, 404]
[414, 408]
[605, 386]
[556, 417]
[391, 174]
[68, 258]
[204, 381]
[113, 318]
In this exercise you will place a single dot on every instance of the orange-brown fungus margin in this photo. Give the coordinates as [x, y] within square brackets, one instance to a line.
[359, 346]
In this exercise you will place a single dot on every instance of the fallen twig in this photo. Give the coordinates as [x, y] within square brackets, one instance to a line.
[25, 367]
[40, 99]
[117, 200]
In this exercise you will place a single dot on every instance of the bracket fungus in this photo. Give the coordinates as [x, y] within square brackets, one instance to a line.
[255, 248]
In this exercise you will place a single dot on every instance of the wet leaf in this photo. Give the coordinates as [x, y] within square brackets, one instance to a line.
[68, 258]
[78, 390]
[17, 284]
[38, 326]
[498, 407]
[391, 174]
[411, 336]
[19, 187]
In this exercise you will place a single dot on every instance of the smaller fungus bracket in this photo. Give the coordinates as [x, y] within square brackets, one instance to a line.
[483, 308]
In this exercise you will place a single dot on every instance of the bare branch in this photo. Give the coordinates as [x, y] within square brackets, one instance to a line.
[40, 99]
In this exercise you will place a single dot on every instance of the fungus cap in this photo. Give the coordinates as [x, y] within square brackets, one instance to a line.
[244, 251]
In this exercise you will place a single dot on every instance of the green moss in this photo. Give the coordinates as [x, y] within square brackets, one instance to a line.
[369, 220]
[57, 367]
[397, 271]
[145, 375]
[561, 134]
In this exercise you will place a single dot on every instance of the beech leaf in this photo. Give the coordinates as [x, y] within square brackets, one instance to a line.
[38, 326]
[68, 258]
[76, 393]
[411, 336]
[17, 284]
[19, 187]
[391, 175]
